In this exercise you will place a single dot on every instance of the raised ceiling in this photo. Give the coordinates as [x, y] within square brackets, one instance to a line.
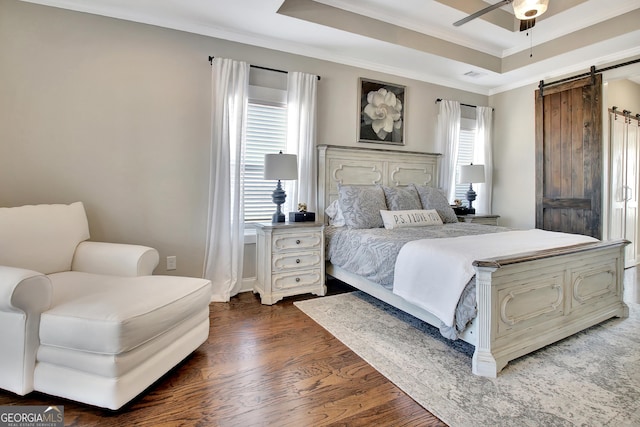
[410, 38]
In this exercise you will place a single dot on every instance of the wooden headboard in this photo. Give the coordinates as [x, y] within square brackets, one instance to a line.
[366, 166]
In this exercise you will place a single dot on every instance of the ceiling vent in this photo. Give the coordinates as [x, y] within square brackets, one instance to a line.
[474, 74]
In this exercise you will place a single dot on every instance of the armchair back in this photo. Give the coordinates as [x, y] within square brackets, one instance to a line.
[42, 238]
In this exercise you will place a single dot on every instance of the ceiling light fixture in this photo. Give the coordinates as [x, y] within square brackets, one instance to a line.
[529, 9]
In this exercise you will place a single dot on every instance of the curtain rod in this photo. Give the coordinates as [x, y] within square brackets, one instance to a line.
[466, 105]
[260, 68]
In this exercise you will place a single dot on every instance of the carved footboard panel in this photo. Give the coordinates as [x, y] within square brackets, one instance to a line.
[530, 301]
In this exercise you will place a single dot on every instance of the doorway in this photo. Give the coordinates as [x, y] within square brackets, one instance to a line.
[623, 123]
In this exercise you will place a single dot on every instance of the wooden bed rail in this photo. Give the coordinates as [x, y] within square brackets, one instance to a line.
[547, 253]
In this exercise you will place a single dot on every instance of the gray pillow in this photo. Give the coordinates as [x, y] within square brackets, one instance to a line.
[361, 205]
[402, 199]
[432, 198]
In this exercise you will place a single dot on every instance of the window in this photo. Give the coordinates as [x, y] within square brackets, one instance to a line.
[266, 133]
[465, 155]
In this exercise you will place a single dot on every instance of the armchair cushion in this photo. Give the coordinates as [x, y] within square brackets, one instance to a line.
[42, 237]
[113, 315]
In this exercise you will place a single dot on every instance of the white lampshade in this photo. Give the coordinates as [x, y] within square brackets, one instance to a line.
[529, 9]
[280, 166]
[471, 174]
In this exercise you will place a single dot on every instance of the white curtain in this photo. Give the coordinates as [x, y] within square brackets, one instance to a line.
[225, 227]
[301, 139]
[483, 155]
[448, 138]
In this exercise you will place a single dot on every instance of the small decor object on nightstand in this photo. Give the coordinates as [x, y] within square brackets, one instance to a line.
[280, 166]
[458, 208]
[302, 214]
[470, 174]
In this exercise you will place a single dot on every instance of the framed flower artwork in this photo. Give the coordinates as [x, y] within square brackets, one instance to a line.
[381, 112]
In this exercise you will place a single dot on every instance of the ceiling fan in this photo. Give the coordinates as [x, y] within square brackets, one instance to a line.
[525, 10]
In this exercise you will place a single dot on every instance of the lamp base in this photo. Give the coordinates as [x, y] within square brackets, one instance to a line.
[278, 197]
[471, 196]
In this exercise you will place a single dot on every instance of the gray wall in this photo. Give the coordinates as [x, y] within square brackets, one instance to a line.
[624, 94]
[117, 115]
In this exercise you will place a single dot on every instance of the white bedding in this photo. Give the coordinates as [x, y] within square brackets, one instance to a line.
[433, 273]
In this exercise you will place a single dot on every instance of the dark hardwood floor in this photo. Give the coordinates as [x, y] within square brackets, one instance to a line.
[262, 366]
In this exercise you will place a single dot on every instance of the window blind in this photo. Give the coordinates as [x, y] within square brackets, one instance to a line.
[465, 157]
[266, 133]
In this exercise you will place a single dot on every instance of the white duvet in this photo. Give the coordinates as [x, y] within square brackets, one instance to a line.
[432, 273]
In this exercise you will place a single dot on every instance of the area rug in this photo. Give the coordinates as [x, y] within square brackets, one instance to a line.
[589, 379]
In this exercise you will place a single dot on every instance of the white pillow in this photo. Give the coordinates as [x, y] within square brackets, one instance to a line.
[411, 218]
[335, 214]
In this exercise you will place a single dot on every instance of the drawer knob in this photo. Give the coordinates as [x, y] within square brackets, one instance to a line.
[298, 242]
[297, 279]
[298, 261]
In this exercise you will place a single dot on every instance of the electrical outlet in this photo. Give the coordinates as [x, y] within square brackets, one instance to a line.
[171, 262]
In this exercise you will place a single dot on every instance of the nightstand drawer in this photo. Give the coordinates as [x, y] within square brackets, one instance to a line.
[299, 241]
[297, 279]
[298, 260]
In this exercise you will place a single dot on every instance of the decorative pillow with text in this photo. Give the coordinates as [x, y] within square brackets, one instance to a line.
[411, 218]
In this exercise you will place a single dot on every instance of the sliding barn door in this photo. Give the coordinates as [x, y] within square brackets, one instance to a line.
[569, 157]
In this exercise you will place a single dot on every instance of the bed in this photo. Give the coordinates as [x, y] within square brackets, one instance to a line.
[524, 301]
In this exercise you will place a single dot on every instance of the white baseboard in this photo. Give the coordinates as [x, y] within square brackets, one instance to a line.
[247, 284]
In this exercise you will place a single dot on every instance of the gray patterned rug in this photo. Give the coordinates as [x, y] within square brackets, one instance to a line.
[589, 379]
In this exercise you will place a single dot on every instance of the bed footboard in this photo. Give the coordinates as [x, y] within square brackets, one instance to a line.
[532, 300]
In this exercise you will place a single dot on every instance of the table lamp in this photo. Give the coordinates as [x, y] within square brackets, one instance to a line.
[471, 174]
[280, 166]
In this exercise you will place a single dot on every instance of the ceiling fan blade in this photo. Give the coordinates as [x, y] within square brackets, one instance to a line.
[481, 12]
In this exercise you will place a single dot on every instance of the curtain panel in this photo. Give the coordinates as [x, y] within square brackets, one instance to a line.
[301, 138]
[225, 225]
[483, 155]
[448, 138]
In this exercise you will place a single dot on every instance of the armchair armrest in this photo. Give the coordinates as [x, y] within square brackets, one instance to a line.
[115, 259]
[24, 291]
[24, 295]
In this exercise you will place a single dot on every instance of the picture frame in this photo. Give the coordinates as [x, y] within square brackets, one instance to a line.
[381, 112]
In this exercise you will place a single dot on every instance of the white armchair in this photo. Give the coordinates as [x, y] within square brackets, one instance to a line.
[87, 320]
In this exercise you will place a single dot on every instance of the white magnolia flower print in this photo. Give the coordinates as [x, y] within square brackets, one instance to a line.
[383, 112]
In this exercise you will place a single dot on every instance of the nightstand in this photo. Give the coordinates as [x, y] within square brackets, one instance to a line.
[290, 260]
[480, 219]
